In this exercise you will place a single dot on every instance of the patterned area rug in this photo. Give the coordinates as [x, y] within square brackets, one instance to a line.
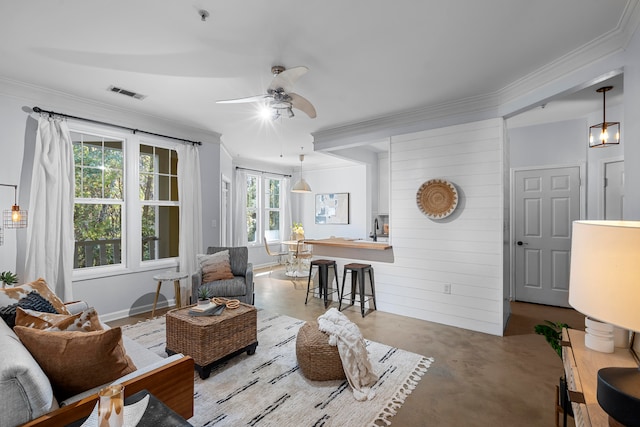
[268, 389]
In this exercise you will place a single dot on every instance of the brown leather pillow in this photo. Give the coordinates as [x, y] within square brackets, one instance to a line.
[77, 361]
[215, 266]
[85, 321]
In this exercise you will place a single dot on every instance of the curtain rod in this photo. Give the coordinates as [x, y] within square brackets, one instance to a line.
[134, 131]
[256, 170]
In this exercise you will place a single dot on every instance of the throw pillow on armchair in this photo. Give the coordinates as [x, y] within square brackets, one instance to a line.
[238, 286]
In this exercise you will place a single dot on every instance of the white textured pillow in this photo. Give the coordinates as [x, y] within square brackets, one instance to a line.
[215, 266]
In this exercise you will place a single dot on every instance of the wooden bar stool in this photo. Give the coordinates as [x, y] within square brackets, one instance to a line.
[358, 271]
[169, 276]
[323, 279]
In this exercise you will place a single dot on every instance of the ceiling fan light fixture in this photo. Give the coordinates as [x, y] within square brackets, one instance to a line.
[265, 112]
[606, 133]
[279, 95]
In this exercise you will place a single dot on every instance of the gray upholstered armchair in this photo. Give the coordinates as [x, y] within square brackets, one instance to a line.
[240, 287]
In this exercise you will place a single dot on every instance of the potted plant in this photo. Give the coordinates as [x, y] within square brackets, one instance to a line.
[8, 278]
[552, 332]
[203, 296]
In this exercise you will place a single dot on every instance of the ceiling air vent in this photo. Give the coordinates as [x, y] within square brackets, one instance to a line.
[126, 92]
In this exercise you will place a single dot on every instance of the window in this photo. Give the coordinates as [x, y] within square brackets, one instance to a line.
[99, 201]
[124, 188]
[272, 208]
[264, 208]
[252, 208]
[160, 216]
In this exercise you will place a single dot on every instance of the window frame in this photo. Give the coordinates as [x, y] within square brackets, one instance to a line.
[263, 209]
[131, 260]
[157, 203]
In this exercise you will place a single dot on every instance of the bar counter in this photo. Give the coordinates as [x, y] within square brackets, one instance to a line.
[349, 243]
[364, 250]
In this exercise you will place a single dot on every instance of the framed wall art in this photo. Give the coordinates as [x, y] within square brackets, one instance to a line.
[332, 208]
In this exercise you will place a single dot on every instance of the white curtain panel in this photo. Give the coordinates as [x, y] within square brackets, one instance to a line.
[286, 201]
[240, 199]
[50, 234]
[190, 196]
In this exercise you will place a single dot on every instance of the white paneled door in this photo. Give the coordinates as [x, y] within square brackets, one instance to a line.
[546, 201]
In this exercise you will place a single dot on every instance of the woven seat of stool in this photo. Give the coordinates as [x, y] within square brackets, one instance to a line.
[318, 360]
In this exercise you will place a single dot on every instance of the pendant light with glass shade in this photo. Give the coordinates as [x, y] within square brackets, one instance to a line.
[605, 133]
[301, 186]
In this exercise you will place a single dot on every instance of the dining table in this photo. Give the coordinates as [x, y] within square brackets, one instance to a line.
[295, 266]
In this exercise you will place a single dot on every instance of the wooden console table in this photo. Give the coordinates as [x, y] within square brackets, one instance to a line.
[581, 367]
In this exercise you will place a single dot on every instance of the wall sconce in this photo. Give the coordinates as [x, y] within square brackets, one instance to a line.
[605, 133]
[14, 218]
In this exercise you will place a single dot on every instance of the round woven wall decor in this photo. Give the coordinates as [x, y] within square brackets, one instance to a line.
[437, 198]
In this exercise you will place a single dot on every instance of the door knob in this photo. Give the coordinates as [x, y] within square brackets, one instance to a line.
[520, 243]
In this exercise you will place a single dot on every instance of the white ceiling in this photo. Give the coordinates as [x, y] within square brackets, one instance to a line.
[366, 58]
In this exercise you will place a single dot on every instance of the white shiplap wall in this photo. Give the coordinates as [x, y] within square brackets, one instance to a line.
[464, 250]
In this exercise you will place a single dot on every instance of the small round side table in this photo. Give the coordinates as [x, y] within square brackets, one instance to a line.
[169, 276]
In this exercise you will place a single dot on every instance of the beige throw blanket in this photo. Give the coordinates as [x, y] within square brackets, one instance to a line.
[353, 352]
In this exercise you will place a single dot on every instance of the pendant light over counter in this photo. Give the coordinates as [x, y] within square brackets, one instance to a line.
[301, 186]
[606, 133]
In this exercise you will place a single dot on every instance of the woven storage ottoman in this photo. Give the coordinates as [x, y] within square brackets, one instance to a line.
[318, 360]
[208, 339]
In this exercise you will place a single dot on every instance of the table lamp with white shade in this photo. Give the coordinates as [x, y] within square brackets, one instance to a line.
[605, 285]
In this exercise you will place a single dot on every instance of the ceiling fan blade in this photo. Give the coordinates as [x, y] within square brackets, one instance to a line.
[287, 78]
[302, 104]
[256, 98]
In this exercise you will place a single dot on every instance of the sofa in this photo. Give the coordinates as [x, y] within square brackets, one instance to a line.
[225, 272]
[28, 396]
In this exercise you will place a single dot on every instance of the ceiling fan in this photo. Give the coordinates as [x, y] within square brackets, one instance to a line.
[279, 98]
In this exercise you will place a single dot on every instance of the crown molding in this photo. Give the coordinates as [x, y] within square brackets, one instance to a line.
[522, 93]
[607, 45]
[430, 117]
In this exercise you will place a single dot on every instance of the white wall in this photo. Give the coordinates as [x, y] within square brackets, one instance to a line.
[12, 136]
[352, 180]
[558, 143]
[464, 250]
[631, 134]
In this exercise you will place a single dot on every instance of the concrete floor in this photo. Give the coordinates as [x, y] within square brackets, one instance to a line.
[476, 379]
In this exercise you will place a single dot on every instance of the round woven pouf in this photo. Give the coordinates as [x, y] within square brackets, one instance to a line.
[318, 360]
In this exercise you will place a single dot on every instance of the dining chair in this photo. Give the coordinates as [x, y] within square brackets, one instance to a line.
[278, 255]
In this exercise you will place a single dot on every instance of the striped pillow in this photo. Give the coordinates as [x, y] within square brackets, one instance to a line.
[32, 301]
[215, 267]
